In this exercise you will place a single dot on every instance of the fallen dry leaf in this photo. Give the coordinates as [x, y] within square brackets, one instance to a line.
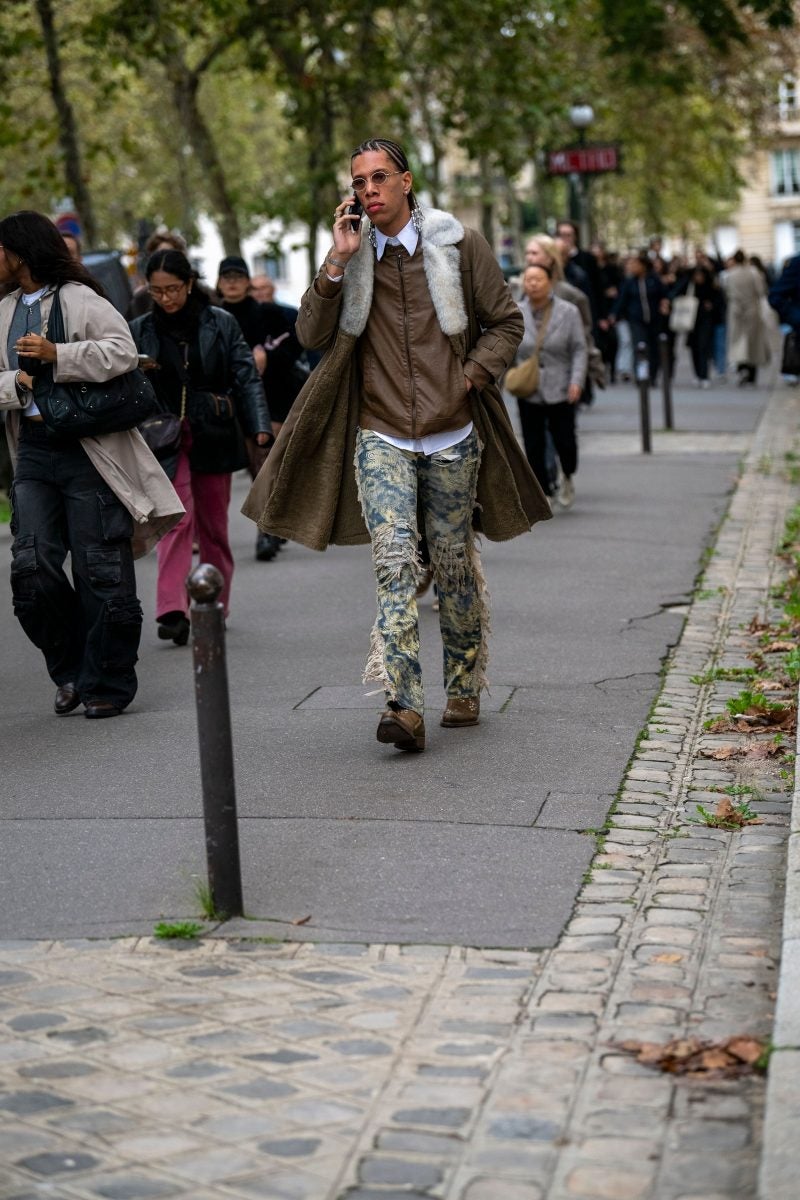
[734, 1056]
[757, 750]
[668, 958]
[757, 626]
[722, 752]
[762, 750]
[769, 685]
[783, 717]
[726, 813]
[714, 1059]
[301, 920]
[749, 1050]
[779, 647]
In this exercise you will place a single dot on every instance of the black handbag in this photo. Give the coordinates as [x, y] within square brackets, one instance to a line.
[90, 409]
[790, 363]
[162, 432]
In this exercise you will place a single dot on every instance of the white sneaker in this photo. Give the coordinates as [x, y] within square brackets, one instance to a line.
[566, 493]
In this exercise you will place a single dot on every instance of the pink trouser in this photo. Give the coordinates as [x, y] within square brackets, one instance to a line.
[206, 499]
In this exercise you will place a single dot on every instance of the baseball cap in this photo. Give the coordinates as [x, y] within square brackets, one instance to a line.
[234, 263]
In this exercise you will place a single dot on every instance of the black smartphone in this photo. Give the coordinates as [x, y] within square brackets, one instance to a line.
[355, 209]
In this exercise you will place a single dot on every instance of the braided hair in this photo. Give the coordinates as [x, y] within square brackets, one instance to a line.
[396, 153]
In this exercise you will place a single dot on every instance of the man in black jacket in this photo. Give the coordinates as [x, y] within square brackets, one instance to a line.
[643, 303]
[784, 295]
[269, 333]
[581, 268]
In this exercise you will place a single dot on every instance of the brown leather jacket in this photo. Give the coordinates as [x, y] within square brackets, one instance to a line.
[411, 382]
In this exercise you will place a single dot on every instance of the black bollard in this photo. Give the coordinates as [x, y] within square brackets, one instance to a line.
[216, 744]
[666, 380]
[643, 380]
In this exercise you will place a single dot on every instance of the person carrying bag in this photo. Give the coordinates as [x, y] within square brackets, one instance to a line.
[523, 380]
[554, 331]
[98, 496]
[205, 376]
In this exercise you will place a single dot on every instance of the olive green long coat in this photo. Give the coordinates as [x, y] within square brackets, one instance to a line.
[306, 490]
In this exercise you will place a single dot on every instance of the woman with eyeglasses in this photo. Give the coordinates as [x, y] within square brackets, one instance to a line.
[103, 500]
[203, 371]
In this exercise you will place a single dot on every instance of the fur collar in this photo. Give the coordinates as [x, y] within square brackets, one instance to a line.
[440, 235]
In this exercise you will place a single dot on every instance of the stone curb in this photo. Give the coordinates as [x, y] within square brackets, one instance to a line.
[778, 1176]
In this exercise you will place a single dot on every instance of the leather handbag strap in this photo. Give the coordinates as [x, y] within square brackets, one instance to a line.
[53, 328]
[542, 330]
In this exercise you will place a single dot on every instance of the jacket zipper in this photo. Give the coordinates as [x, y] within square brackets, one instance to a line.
[408, 349]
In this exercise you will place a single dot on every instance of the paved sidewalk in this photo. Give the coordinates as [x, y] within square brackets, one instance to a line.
[245, 1068]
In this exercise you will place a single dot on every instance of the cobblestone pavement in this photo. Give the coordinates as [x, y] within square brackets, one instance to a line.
[231, 1068]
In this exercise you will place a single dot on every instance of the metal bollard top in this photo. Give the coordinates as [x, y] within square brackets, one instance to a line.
[205, 584]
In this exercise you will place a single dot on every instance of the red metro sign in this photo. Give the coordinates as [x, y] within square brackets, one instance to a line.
[583, 160]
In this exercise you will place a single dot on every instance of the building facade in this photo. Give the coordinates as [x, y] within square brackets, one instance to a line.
[767, 221]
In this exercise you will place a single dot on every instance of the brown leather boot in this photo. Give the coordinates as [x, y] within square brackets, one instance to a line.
[461, 710]
[403, 727]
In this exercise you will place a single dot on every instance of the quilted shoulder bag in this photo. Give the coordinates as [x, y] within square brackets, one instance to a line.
[90, 409]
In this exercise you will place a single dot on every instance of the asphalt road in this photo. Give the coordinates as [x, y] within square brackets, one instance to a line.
[478, 840]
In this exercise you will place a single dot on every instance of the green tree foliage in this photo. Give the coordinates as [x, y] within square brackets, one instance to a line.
[247, 109]
[641, 28]
[331, 62]
[685, 88]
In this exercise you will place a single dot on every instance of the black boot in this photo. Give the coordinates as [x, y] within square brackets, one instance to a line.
[266, 547]
[174, 627]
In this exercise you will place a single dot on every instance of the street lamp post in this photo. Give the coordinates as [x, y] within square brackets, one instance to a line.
[581, 116]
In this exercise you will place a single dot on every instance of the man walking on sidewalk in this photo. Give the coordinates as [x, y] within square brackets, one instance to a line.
[418, 323]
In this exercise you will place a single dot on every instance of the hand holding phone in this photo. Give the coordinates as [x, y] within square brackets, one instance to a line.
[355, 210]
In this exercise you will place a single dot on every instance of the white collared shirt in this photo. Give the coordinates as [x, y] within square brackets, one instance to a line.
[407, 238]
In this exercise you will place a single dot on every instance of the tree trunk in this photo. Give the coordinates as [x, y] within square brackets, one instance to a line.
[315, 206]
[320, 130]
[487, 202]
[185, 84]
[67, 128]
[431, 134]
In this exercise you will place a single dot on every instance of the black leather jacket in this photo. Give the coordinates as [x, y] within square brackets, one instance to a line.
[227, 366]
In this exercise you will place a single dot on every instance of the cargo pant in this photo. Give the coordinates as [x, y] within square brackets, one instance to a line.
[87, 630]
[392, 483]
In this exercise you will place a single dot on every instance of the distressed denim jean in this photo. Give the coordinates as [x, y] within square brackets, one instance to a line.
[393, 486]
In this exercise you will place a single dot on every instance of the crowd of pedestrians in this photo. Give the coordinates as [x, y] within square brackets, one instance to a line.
[632, 307]
[394, 364]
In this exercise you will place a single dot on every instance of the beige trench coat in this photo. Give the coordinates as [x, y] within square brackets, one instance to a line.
[99, 346]
[747, 333]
